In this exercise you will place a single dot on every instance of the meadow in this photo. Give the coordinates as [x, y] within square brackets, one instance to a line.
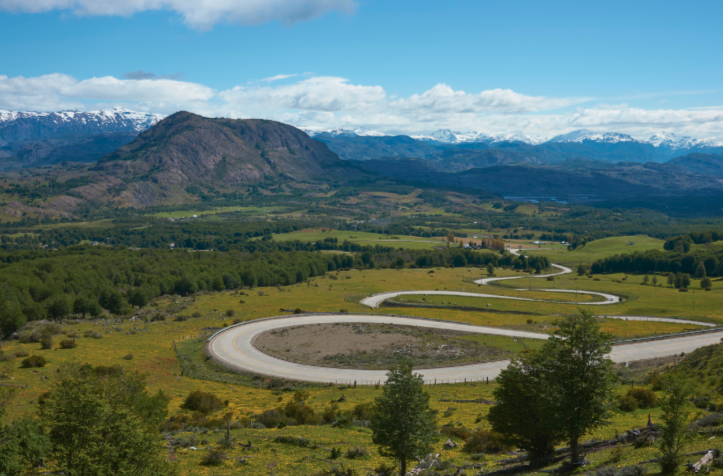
[598, 249]
[155, 348]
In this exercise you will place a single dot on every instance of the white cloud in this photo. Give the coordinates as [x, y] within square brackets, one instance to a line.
[199, 14]
[443, 99]
[326, 101]
[278, 77]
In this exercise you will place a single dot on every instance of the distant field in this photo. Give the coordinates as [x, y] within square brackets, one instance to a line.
[214, 211]
[313, 235]
[598, 249]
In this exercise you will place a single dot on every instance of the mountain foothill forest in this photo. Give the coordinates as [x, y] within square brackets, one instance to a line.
[123, 248]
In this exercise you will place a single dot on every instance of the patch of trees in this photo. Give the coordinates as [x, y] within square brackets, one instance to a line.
[89, 280]
[699, 263]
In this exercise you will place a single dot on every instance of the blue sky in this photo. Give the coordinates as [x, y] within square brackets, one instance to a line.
[394, 66]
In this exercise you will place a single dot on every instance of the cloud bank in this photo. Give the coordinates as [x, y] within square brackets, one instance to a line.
[197, 14]
[326, 101]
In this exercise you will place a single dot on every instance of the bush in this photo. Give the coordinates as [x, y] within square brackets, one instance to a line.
[128, 357]
[356, 452]
[46, 343]
[214, 458]
[293, 440]
[203, 402]
[34, 361]
[68, 344]
[485, 441]
[230, 313]
[635, 398]
[93, 334]
[634, 470]
[455, 432]
[20, 353]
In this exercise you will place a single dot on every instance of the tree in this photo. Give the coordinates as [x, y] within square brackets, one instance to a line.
[671, 280]
[58, 307]
[490, 269]
[646, 278]
[524, 403]
[682, 280]
[581, 269]
[705, 283]
[184, 286]
[700, 271]
[112, 301]
[21, 443]
[137, 297]
[11, 316]
[81, 305]
[580, 377]
[655, 280]
[459, 261]
[674, 428]
[103, 421]
[403, 424]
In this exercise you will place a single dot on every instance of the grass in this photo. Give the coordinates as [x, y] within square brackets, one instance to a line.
[214, 211]
[152, 347]
[313, 235]
[598, 249]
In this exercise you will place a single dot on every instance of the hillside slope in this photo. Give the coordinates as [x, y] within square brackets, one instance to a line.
[186, 149]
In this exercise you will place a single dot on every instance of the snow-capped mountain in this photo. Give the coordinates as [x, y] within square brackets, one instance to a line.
[451, 137]
[587, 135]
[338, 132]
[671, 141]
[16, 125]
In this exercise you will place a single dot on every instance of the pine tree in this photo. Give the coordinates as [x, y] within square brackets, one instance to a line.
[404, 425]
[674, 428]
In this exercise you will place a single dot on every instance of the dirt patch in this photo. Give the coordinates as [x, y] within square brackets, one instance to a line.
[374, 346]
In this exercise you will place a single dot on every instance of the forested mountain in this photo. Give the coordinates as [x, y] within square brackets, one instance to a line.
[702, 164]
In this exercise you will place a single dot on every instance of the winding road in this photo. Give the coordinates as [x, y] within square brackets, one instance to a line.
[234, 346]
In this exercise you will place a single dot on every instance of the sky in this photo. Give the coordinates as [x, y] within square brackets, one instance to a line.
[398, 67]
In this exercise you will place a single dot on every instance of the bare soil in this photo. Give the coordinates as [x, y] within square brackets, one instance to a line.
[374, 346]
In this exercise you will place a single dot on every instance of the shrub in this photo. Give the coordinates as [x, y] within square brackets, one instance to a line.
[203, 402]
[230, 313]
[356, 452]
[293, 440]
[93, 334]
[214, 458]
[34, 361]
[196, 314]
[128, 357]
[20, 353]
[455, 432]
[68, 344]
[46, 343]
[635, 398]
[335, 453]
[158, 317]
[298, 310]
[485, 441]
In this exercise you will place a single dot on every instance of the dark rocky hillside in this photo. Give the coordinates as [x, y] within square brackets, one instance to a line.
[186, 149]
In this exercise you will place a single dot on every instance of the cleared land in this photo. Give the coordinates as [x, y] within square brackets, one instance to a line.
[378, 346]
[597, 249]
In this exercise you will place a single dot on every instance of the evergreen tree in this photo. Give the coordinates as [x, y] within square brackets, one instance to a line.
[102, 421]
[674, 428]
[580, 377]
[700, 272]
[404, 425]
[524, 405]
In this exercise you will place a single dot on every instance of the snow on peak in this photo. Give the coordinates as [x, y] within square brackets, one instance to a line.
[451, 137]
[339, 132]
[585, 134]
[138, 121]
[670, 140]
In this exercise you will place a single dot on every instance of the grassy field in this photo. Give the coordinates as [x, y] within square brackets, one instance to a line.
[152, 350]
[598, 249]
[217, 210]
[155, 347]
[313, 235]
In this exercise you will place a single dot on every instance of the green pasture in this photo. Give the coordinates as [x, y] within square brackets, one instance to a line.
[364, 238]
[215, 211]
[598, 249]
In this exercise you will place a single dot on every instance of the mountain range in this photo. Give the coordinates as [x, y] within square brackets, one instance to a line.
[43, 138]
